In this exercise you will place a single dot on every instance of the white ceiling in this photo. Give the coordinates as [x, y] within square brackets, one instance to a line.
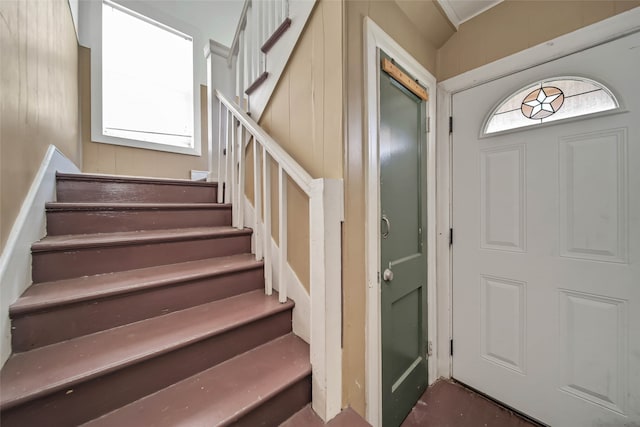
[459, 11]
[216, 19]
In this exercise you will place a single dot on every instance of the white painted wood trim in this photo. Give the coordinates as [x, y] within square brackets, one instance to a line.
[581, 39]
[326, 212]
[290, 166]
[299, 12]
[266, 192]
[297, 292]
[282, 231]
[29, 227]
[375, 38]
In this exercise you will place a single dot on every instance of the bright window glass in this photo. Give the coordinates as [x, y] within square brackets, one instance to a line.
[147, 79]
[550, 100]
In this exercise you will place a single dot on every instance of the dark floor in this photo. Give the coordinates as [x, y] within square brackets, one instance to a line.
[448, 404]
[307, 418]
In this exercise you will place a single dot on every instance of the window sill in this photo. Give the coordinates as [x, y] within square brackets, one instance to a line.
[145, 145]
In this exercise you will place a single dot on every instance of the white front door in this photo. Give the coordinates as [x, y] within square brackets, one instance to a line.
[546, 252]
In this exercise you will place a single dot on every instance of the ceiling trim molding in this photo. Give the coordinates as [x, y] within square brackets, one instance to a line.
[454, 15]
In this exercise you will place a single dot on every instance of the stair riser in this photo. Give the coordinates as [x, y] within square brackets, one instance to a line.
[278, 409]
[56, 265]
[61, 323]
[133, 192]
[108, 221]
[103, 394]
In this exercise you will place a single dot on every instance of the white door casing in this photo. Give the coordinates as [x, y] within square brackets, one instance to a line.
[375, 38]
[546, 259]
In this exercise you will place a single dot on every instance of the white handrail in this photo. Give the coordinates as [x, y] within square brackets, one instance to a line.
[291, 167]
[326, 212]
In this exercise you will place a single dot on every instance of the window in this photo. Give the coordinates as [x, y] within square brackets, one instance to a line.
[147, 83]
[550, 100]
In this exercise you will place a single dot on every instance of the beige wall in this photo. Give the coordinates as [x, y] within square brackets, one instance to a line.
[304, 116]
[38, 95]
[515, 25]
[394, 22]
[120, 160]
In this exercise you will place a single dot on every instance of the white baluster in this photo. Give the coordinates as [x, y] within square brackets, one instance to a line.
[227, 169]
[233, 188]
[259, 25]
[241, 177]
[266, 186]
[257, 200]
[285, 10]
[220, 153]
[271, 17]
[240, 77]
[282, 225]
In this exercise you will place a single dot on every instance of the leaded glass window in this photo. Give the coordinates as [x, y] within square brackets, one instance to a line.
[550, 100]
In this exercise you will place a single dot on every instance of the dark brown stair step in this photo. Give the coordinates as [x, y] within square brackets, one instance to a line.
[261, 387]
[51, 312]
[84, 218]
[117, 188]
[64, 257]
[77, 380]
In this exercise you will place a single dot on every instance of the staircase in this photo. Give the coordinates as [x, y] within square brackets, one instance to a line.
[147, 308]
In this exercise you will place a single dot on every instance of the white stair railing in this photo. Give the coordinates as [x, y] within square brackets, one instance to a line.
[261, 22]
[325, 217]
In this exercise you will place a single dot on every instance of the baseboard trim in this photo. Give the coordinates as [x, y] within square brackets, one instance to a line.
[29, 226]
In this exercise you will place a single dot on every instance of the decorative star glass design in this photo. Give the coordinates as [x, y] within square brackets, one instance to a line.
[542, 102]
[549, 100]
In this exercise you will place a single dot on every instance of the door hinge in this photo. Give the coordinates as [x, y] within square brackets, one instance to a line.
[451, 237]
[450, 347]
[429, 349]
[378, 277]
[450, 124]
[428, 124]
[224, 151]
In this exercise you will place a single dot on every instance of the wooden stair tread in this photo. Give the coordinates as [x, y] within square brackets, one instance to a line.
[116, 206]
[131, 179]
[56, 367]
[42, 296]
[79, 241]
[222, 394]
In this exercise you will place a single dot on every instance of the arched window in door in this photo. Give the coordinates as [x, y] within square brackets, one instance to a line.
[549, 100]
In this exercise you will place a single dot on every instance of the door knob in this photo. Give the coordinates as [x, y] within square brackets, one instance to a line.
[387, 275]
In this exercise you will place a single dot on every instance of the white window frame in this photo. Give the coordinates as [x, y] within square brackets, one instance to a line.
[94, 37]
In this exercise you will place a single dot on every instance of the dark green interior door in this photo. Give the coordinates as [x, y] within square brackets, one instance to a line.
[403, 249]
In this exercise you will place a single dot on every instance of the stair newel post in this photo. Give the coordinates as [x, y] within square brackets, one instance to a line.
[282, 228]
[227, 156]
[241, 171]
[326, 212]
[220, 153]
[257, 200]
[266, 186]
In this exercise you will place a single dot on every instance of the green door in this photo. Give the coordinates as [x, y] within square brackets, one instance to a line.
[403, 248]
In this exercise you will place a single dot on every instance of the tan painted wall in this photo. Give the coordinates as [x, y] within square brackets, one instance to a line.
[120, 160]
[38, 95]
[515, 25]
[395, 23]
[304, 116]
